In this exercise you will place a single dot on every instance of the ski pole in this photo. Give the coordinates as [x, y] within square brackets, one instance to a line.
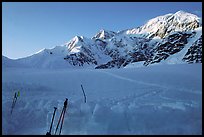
[84, 94]
[52, 121]
[59, 120]
[13, 103]
[62, 121]
[65, 106]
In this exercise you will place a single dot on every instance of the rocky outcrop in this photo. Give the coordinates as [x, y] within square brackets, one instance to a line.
[194, 53]
[171, 45]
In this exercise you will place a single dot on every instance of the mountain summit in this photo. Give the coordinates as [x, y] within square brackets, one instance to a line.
[161, 26]
[104, 34]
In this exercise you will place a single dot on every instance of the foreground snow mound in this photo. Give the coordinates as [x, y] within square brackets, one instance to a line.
[151, 100]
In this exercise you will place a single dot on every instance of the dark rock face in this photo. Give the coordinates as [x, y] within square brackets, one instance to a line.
[172, 44]
[194, 53]
[121, 62]
[178, 38]
[79, 59]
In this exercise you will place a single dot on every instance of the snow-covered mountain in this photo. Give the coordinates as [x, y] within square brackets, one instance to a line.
[171, 38]
[163, 25]
[7, 62]
[104, 34]
[83, 51]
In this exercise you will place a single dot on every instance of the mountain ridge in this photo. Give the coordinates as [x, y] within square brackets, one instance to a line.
[156, 41]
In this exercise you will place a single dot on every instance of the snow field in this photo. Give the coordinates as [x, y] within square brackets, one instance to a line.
[149, 100]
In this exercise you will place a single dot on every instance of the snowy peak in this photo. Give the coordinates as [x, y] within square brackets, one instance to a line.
[74, 44]
[185, 17]
[104, 34]
[54, 52]
[163, 25]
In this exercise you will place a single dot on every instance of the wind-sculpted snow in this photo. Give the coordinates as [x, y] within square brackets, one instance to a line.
[151, 100]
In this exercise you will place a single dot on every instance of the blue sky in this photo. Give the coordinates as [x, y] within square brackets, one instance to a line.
[28, 27]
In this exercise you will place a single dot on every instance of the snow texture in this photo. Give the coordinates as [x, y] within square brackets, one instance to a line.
[155, 100]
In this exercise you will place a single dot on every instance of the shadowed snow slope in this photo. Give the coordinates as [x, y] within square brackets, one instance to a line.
[149, 100]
